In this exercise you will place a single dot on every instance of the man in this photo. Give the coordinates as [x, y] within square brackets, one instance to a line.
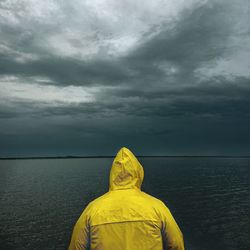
[125, 217]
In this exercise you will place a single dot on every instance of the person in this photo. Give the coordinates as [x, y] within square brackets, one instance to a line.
[126, 217]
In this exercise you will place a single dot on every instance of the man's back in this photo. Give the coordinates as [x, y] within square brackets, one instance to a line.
[125, 217]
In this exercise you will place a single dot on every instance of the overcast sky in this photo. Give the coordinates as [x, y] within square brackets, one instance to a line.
[86, 77]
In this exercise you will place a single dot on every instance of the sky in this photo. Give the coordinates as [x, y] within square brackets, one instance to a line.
[161, 77]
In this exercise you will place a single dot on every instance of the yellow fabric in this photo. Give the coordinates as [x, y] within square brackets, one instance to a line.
[125, 218]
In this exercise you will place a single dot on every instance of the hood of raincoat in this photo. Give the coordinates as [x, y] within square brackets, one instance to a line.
[126, 171]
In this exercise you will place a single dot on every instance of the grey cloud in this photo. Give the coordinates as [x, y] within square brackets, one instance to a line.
[198, 37]
[154, 93]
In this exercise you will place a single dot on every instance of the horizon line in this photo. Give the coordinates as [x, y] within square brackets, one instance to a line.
[113, 156]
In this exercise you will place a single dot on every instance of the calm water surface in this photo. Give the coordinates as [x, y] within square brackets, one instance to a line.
[40, 200]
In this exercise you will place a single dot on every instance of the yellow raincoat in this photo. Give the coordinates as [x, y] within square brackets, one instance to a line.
[125, 217]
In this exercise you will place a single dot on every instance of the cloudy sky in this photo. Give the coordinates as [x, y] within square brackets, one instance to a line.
[85, 77]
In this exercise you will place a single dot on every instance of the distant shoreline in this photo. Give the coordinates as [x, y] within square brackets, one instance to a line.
[112, 156]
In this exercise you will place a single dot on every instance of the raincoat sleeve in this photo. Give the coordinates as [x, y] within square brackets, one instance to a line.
[80, 236]
[171, 233]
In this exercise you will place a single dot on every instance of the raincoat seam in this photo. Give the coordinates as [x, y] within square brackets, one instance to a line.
[116, 222]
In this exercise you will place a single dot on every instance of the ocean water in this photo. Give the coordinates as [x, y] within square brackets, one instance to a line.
[40, 200]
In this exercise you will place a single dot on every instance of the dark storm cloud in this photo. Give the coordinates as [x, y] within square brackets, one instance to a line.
[175, 82]
[198, 36]
[69, 71]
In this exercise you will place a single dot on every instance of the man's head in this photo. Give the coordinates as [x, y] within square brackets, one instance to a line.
[126, 171]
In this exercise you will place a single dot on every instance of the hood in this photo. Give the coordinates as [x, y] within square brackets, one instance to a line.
[126, 171]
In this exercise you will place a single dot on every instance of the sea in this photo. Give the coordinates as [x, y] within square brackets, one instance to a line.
[41, 199]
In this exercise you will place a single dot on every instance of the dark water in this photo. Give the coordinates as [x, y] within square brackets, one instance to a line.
[40, 200]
